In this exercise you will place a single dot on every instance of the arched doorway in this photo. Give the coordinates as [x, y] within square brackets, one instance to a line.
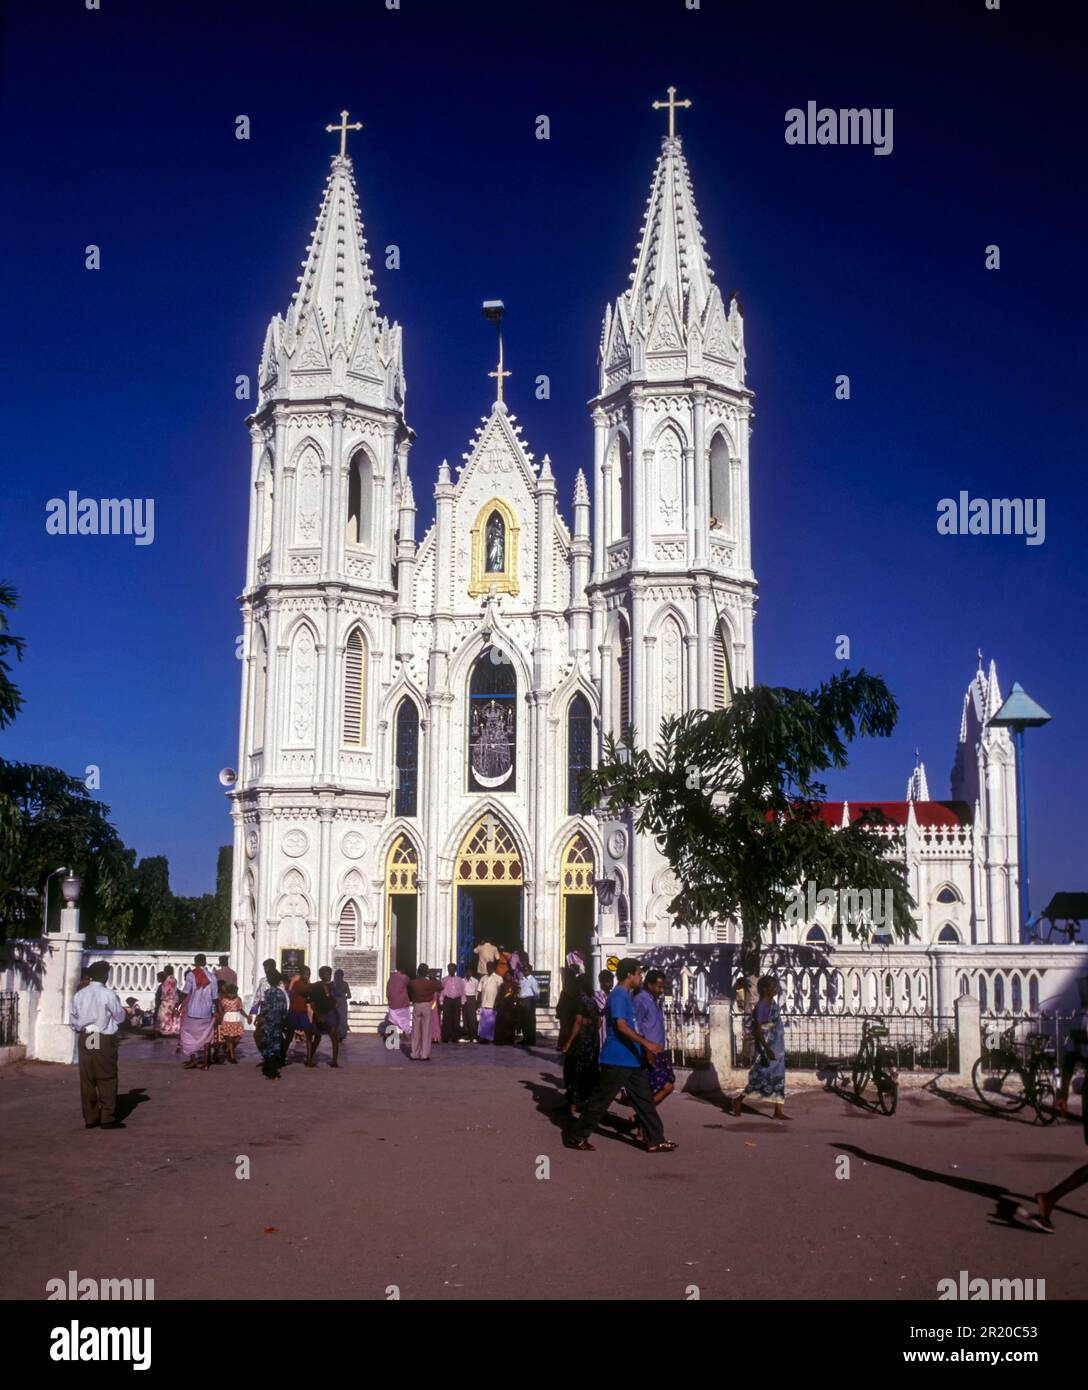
[576, 900]
[402, 906]
[489, 878]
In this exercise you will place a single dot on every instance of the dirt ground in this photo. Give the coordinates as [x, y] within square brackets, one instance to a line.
[448, 1179]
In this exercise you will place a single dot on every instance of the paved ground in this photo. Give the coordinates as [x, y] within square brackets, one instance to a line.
[425, 1176]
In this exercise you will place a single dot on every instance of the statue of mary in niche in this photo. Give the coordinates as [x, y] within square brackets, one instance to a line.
[495, 544]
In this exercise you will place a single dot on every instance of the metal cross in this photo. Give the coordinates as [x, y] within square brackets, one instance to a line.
[672, 105]
[500, 373]
[343, 128]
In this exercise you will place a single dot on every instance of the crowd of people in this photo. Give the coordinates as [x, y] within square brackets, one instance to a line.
[492, 1001]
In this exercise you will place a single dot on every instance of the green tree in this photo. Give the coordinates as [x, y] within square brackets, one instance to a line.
[153, 917]
[11, 699]
[733, 799]
[55, 821]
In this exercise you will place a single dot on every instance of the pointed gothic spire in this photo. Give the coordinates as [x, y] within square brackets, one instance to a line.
[336, 279]
[581, 490]
[671, 256]
[917, 786]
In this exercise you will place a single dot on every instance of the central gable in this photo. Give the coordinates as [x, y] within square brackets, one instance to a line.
[494, 515]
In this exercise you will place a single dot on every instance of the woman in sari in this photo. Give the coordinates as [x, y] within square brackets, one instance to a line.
[767, 1078]
[272, 1032]
[168, 1013]
[198, 1015]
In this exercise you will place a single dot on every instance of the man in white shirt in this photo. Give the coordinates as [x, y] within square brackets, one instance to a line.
[528, 998]
[490, 989]
[95, 1015]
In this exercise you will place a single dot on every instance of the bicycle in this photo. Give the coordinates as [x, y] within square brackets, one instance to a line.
[1007, 1081]
[876, 1062]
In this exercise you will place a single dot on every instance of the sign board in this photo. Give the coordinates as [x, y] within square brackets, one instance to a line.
[292, 959]
[544, 980]
[360, 967]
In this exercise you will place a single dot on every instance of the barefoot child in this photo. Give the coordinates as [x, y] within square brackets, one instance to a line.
[231, 1025]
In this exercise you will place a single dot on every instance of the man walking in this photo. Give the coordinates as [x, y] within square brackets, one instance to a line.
[96, 1014]
[453, 993]
[422, 991]
[224, 974]
[490, 988]
[621, 1068]
[650, 1022]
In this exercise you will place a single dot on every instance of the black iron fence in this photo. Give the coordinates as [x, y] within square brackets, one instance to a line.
[818, 1042]
[9, 1018]
[1058, 1035]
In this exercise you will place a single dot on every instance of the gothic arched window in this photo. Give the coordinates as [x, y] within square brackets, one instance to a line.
[492, 723]
[406, 753]
[360, 530]
[719, 482]
[260, 686]
[621, 503]
[355, 690]
[948, 895]
[948, 936]
[579, 746]
[495, 545]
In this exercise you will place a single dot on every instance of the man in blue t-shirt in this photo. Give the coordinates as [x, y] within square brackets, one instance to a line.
[621, 1068]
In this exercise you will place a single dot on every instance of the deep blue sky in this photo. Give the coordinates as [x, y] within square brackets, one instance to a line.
[120, 382]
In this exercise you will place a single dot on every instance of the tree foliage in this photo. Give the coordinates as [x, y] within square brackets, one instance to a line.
[732, 797]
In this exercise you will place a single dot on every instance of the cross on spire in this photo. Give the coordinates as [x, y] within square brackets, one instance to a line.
[343, 128]
[672, 106]
[499, 373]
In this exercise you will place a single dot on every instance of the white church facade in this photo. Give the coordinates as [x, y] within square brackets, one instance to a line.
[417, 710]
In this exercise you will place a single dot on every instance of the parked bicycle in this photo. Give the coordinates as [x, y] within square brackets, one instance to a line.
[1007, 1078]
[878, 1063]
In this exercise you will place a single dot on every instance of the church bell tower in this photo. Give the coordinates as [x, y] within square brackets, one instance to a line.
[672, 591]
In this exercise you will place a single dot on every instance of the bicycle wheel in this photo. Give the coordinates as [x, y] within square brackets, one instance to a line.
[1043, 1099]
[887, 1095]
[1001, 1089]
[863, 1067]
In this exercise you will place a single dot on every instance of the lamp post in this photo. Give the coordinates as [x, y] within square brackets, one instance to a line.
[64, 869]
[1020, 712]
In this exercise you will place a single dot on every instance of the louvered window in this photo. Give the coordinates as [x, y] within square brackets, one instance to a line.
[723, 692]
[354, 690]
[624, 671]
[347, 933]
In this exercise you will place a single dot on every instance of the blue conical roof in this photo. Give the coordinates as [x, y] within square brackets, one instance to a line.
[1020, 709]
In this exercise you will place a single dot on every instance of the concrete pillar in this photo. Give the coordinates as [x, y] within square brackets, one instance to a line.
[968, 1036]
[702, 516]
[61, 964]
[720, 1045]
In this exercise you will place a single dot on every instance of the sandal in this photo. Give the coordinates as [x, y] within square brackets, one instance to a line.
[665, 1147]
[582, 1144]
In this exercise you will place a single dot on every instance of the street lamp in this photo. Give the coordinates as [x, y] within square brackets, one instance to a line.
[64, 869]
[1020, 712]
[70, 887]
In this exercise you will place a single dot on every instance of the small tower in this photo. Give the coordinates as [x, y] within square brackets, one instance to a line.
[984, 776]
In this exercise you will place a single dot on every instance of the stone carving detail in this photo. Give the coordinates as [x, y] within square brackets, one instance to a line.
[359, 567]
[297, 764]
[669, 550]
[264, 568]
[304, 564]
[253, 843]
[721, 554]
[308, 420]
[619, 559]
[296, 843]
[357, 764]
[307, 498]
[312, 357]
[617, 844]
[670, 487]
[302, 700]
[672, 670]
[353, 845]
